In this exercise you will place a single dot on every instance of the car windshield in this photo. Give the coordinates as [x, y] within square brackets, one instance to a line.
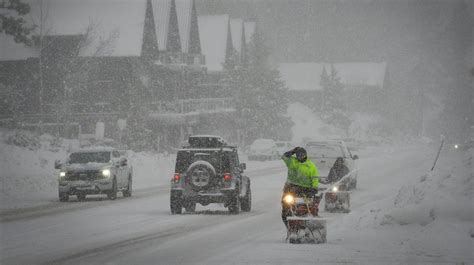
[324, 151]
[220, 160]
[89, 157]
[280, 144]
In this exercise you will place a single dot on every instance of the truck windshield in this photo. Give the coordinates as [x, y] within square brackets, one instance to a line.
[89, 157]
[324, 151]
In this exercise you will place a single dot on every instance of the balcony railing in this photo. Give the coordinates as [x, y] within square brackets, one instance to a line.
[184, 106]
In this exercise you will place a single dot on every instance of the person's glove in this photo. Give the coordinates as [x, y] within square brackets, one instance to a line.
[293, 151]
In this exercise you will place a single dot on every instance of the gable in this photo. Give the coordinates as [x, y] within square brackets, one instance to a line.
[166, 24]
[188, 26]
[215, 40]
[236, 28]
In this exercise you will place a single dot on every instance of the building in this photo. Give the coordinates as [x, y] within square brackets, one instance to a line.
[365, 84]
[153, 63]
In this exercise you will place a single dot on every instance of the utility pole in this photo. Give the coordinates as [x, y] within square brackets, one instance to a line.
[41, 88]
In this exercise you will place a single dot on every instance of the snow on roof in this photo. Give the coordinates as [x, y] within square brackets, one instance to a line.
[213, 32]
[249, 28]
[124, 19]
[307, 76]
[236, 27]
[184, 10]
[161, 14]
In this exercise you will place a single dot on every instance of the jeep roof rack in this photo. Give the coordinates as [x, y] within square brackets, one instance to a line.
[206, 141]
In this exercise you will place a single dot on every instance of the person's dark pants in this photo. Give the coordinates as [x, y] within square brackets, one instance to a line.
[298, 191]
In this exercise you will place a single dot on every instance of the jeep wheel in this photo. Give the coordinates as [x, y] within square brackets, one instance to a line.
[176, 202]
[112, 194]
[81, 197]
[200, 174]
[234, 204]
[63, 197]
[128, 191]
[246, 203]
[190, 206]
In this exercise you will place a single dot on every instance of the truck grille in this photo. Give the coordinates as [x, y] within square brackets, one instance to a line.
[84, 175]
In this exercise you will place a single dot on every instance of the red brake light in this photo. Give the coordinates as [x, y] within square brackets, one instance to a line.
[176, 177]
[227, 176]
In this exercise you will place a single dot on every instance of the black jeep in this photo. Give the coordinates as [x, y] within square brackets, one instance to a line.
[209, 171]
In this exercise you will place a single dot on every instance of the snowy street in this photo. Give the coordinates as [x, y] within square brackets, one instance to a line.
[210, 131]
[141, 230]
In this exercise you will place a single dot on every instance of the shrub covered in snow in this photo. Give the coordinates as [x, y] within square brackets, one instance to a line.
[24, 139]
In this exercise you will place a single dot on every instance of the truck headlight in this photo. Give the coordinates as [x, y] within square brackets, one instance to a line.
[62, 174]
[289, 199]
[106, 173]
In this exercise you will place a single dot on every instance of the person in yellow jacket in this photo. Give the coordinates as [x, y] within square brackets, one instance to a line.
[302, 178]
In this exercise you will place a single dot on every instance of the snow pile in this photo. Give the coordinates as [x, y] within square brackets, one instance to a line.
[27, 174]
[28, 177]
[431, 213]
[445, 193]
[307, 125]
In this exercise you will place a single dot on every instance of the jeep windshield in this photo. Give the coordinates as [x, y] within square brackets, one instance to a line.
[220, 160]
[89, 157]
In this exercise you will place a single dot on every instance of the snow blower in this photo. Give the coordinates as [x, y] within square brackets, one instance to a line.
[304, 225]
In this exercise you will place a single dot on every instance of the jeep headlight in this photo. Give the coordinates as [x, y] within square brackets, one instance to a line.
[106, 173]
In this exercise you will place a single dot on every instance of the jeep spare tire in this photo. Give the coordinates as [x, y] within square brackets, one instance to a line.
[200, 174]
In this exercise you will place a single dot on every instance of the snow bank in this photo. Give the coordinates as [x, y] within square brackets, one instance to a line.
[27, 174]
[429, 213]
[28, 177]
[445, 193]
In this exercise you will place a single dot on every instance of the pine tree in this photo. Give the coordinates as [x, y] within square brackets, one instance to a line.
[12, 21]
[261, 96]
[333, 110]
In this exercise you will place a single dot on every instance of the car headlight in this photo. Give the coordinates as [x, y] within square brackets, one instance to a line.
[106, 172]
[456, 146]
[289, 199]
[335, 188]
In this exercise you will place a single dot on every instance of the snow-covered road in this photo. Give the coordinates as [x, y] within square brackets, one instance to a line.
[141, 230]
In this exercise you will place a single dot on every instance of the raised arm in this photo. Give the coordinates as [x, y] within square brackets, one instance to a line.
[287, 156]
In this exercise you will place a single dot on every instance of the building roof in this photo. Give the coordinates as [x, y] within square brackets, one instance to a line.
[166, 25]
[124, 20]
[186, 11]
[214, 34]
[236, 28]
[307, 76]
[249, 28]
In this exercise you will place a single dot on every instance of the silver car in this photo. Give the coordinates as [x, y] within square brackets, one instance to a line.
[103, 170]
[324, 155]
